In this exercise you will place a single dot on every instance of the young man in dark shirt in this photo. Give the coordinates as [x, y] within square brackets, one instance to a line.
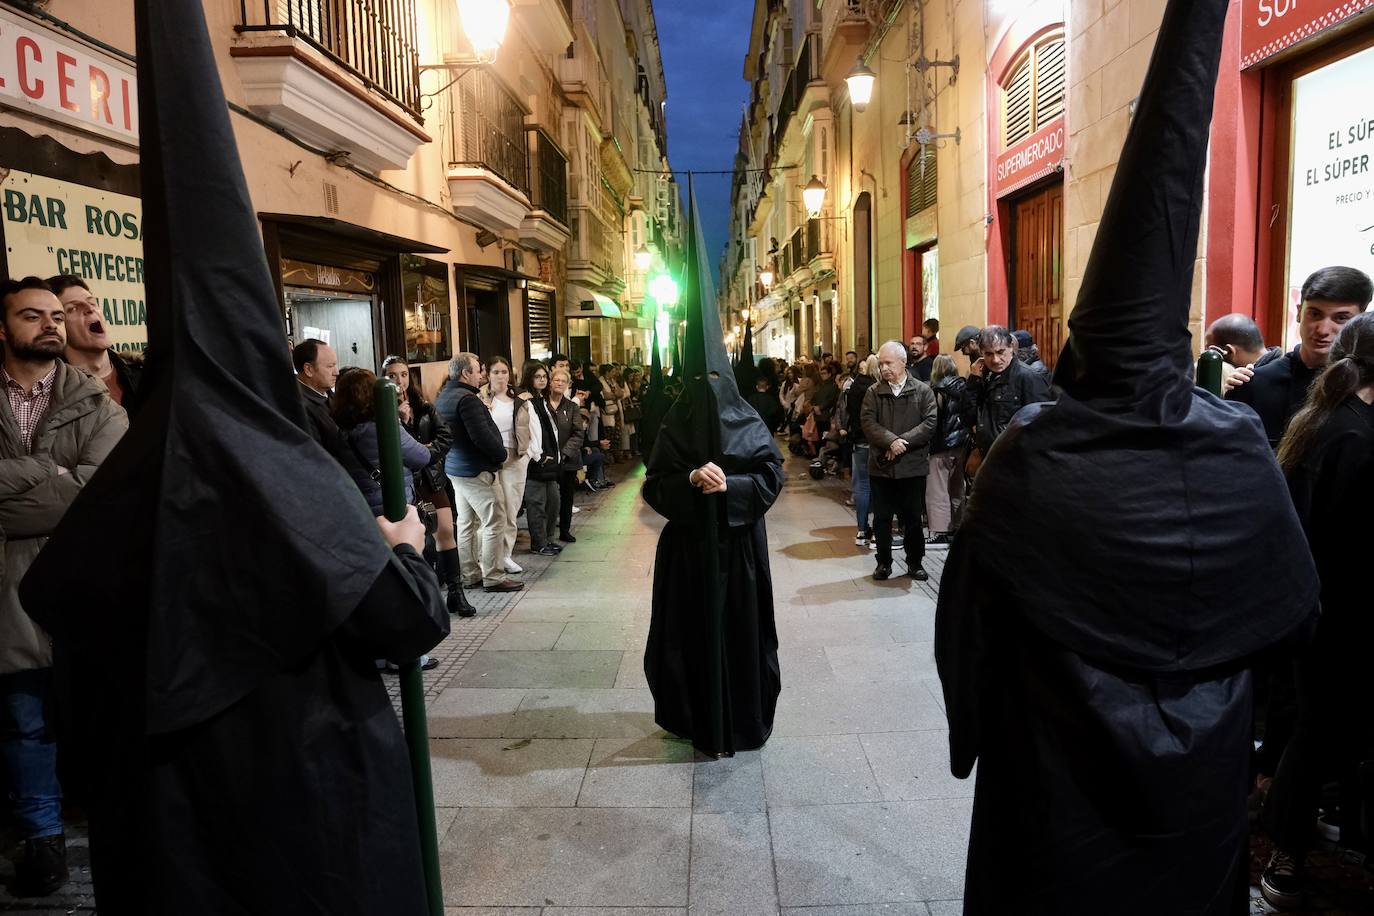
[1330, 298]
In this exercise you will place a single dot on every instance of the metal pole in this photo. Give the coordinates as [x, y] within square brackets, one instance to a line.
[386, 398]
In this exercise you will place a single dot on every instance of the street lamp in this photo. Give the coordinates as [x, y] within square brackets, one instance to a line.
[664, 290]
[484, 25]
[860, 81]
[813, 195]
[744, 313]
[766, 277]
[643, 259]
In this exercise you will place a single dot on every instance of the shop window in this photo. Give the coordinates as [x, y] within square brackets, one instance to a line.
[428, 324]
[1033, 93]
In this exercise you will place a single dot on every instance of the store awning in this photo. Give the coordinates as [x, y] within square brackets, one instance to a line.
[583, 303]
[380, 241]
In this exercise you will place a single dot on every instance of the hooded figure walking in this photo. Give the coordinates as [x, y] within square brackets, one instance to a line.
[712, 655]
[240, 752]
[1103, 599]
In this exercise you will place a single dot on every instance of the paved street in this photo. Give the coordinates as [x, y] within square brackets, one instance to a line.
[558, 792]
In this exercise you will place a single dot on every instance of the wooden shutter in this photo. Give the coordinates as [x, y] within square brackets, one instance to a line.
[1049, 81]
[1017, 107]
[920, 188]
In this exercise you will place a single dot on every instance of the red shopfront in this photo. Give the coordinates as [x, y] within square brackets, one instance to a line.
[1292, 160]
[1027, 90]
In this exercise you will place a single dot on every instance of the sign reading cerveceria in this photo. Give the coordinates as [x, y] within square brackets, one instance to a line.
[59, 227]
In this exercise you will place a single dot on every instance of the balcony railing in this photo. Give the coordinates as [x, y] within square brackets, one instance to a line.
[549, 181]
[797, 81]
[796, 246]
[375, 39]
[486, 129]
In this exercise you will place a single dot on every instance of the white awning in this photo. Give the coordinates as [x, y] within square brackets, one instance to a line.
[583, 303]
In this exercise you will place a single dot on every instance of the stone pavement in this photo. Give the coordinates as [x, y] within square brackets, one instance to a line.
[559, 796]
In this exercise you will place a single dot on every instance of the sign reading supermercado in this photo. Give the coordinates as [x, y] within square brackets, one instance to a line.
[1032, 159]
[49, 74]
[60, 227]
[1268, 27]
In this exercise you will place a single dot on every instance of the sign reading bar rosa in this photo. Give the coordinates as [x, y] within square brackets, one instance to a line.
[60, 227]
[1268, 27]
[60, 78]
[1032, 159]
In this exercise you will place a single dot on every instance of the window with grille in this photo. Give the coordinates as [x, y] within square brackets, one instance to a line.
[920, 184]
[1033, 94]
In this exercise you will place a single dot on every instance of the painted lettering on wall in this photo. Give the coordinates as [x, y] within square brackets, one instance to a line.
[59, 227]
[58, 77]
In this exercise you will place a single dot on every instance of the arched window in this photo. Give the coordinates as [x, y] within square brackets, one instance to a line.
[1033, 92]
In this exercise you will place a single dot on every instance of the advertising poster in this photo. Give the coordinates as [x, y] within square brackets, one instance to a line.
[60, 227]
[1332, 205]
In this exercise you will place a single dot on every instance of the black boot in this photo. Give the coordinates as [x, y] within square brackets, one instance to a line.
[449, 572]
[43, 870]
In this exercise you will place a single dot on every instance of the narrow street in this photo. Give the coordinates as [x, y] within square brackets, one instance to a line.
[557, 792]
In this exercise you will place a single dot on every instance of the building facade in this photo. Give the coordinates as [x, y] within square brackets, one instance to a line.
[970, 185]
[415, 197]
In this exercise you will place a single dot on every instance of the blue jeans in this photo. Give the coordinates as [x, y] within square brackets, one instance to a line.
[862, 492]
[30, 753]
[596, 466]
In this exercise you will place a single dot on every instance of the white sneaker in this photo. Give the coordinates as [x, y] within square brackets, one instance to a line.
[511, 566]
[576, 509]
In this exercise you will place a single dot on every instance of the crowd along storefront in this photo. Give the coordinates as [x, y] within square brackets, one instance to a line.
[69, 194]
[1294, 126]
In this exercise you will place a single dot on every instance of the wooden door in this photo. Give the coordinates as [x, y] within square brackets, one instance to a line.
[1037, 270]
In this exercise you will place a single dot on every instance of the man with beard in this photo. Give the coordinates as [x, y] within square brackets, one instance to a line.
[712, 656]
[1104, 599]
[88, 341]
[56, 427]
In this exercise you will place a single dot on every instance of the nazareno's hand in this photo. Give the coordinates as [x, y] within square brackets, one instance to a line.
[709, 477]
[409, 530]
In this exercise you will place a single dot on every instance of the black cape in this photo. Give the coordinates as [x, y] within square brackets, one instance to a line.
[653, 405]
[240, 749]
[1125, 555]
[712, 655]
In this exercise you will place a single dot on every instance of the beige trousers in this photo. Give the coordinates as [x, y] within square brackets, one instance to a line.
[479, 527]
[510, 484]
[944, 490]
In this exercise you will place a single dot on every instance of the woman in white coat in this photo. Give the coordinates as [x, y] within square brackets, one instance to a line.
[521, 435]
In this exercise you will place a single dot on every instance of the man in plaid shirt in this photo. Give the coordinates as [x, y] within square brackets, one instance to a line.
[57, 424]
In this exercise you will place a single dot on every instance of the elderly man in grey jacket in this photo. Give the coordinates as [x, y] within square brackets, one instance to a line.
[57, 424]
[898, 418]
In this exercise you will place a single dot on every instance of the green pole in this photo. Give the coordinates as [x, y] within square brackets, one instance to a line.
[386, 397]
[1209, 368]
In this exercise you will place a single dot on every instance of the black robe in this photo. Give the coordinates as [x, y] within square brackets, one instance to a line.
[687, 701]
[712, 656]
[296, 799]
[1095, 663]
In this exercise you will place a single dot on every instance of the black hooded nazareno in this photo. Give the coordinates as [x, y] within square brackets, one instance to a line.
[1126, 554]
[239, 750]
[712, 656]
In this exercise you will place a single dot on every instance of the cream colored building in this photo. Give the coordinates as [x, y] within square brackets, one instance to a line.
[969, 187]
[414, 198]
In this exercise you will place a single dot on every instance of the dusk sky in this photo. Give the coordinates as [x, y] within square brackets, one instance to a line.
[703, 44]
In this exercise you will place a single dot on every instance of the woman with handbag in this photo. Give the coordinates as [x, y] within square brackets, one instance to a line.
[355, 413]
[945, 485]
[542, 496]
[521, 436]
[422, 421]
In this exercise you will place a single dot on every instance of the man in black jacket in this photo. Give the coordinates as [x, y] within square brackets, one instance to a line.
[898, 419]
[1330, 298]
[88, 341]
[474, 458]
[1001, 385]
[317, 368]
